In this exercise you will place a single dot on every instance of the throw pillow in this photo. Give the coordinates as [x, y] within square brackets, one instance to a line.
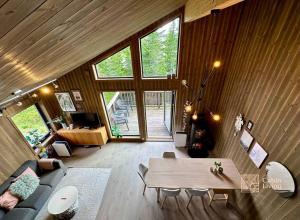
[28, 171]
[8, 200]
[24, 186]
[47, 164]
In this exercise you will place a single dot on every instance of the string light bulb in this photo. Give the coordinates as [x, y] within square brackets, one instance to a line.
[216, 117]
[217, 64]
[188, 108]
[195, 116]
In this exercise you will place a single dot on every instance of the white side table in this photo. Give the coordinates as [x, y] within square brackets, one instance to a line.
[64, 203]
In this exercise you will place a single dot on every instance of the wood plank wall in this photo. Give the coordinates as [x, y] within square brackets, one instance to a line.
[202, 42]
[13, 149]
[263, 83]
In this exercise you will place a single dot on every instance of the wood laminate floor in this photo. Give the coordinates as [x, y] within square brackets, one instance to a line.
[123, 199]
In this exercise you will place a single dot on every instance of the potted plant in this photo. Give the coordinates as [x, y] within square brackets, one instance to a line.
[115, 130]
[218, 169]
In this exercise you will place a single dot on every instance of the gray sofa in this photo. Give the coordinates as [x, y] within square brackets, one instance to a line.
[29, 208]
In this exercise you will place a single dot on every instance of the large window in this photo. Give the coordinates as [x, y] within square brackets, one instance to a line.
[159, 51]
[116, 66]
[31, 124]
[122, 113]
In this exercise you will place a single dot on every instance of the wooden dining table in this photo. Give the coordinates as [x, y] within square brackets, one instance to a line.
[192, 173]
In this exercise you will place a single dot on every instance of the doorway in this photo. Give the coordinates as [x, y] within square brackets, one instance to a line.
[159, 108]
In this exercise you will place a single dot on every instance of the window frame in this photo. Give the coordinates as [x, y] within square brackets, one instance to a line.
[110, 54]
[43, 117]
[178, 48]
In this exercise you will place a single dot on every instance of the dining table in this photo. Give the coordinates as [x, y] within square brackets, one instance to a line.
[196, 173]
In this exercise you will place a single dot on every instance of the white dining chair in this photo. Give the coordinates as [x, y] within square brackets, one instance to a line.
[142, 173]
[195, 192]
[170, 193]
[169, 155]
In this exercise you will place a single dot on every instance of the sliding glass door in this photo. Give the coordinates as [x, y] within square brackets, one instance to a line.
[121, 113]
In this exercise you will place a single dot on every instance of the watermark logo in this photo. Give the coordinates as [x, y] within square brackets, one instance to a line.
[250, 183]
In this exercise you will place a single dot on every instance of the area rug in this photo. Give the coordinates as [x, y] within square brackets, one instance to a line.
[91, 184]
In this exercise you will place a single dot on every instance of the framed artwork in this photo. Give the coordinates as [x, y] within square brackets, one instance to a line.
[65, 101]
[77, 95]
[249, 125]
[258, 155]
[246, 140]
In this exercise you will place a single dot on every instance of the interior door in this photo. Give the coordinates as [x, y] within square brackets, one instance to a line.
[168, 109]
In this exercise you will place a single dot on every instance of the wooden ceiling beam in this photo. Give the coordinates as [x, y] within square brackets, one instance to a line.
[195, 9]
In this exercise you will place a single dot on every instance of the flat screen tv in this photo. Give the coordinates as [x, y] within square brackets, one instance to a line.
[86, 120]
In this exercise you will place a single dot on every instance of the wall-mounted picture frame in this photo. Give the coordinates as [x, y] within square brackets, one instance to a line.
[77, 95]
[65, 101]
[246, 140]
[258, 154]
[250, 125]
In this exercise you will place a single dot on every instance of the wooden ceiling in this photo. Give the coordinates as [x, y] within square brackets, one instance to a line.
[41, 40]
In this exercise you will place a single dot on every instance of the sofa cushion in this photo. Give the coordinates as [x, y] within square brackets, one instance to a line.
[37, 199]
[29, 163]
[51, 178]
[24, 186]
[4, 186]
[20, 213]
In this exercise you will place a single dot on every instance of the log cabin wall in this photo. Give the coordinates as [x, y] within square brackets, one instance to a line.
[202, 42]
[262, 83]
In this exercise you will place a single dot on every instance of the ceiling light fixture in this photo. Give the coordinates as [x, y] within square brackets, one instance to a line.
[19, 103]
[55, 85]
[46, 90]
[29, 91]
[198, 97]
[34, 95]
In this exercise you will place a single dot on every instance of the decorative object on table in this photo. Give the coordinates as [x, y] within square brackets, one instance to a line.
[65, 101]
[258, 155]
[188, 107]
[280, 179]
[249, 125]
[60, 120]
[246, 140]
[90, 183]
[218, 169]
[77, 95]
[64, 203]
[239, 122]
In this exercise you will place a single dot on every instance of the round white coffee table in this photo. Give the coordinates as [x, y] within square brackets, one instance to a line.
[64, 203]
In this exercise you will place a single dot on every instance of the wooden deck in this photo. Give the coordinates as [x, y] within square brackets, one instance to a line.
[155, 123]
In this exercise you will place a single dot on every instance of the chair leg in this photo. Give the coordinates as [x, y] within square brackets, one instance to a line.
[187, 206]
[144, 189]
[177, 202]
[211, 197]
[162, 204]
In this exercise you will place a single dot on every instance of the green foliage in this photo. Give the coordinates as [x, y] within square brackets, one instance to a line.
[159, 55]
[30, 124]
[34, 137]
[117, 65]
[159, 51]
[108, 96]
